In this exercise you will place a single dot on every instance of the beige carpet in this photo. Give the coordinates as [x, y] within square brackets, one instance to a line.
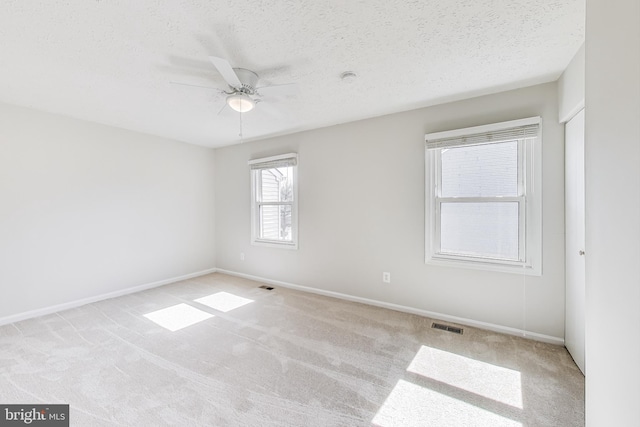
[253, 357]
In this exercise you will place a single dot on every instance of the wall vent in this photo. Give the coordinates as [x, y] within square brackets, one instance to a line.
[447, 328]
[269, 288]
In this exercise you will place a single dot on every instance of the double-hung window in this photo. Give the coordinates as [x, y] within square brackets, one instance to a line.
[274, 201]
[483, 197]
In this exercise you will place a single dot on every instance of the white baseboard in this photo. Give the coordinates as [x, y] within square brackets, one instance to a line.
[454, 319]
[77, 303]
[434, 315]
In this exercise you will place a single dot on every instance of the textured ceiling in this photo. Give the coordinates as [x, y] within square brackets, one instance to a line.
[112, 61]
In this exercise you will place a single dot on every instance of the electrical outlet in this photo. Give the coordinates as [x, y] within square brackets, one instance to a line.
[241, 256]
[386, 277]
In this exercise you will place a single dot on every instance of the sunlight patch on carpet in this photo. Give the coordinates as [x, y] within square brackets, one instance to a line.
[224, 301]
[178, 316]
[410, 405]
[481, 378]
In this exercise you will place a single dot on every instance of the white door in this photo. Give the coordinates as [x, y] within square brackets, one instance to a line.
[575, 230]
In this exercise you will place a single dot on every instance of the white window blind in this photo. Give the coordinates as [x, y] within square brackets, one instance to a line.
[451, 139]
[274, 162]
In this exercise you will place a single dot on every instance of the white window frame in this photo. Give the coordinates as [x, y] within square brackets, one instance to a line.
[529, 200]
[264, 163]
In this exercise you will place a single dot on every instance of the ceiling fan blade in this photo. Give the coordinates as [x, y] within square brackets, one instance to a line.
[285, 89]
[222, 109]
[189, 84]
[225, 69]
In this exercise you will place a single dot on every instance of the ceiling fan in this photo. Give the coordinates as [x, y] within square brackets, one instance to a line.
[244, 93]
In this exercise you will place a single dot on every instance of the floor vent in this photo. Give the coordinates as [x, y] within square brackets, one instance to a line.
[447, 328]
[269, 288]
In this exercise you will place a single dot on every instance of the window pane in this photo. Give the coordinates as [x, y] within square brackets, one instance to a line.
[275, 222]
[480, 229]
[480, 170]
[276, 184]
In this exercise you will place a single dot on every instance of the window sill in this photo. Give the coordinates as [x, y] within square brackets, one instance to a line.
[477, 264]
[275, 244]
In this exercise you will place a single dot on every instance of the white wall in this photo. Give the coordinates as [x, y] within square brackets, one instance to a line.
[87, 209]
[612, 153]
[571, 87]
[361, 203]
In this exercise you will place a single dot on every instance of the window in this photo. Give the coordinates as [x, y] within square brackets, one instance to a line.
[274, 201]
[483, 197]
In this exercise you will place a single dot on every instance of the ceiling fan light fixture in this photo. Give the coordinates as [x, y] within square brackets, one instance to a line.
[240, 102]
